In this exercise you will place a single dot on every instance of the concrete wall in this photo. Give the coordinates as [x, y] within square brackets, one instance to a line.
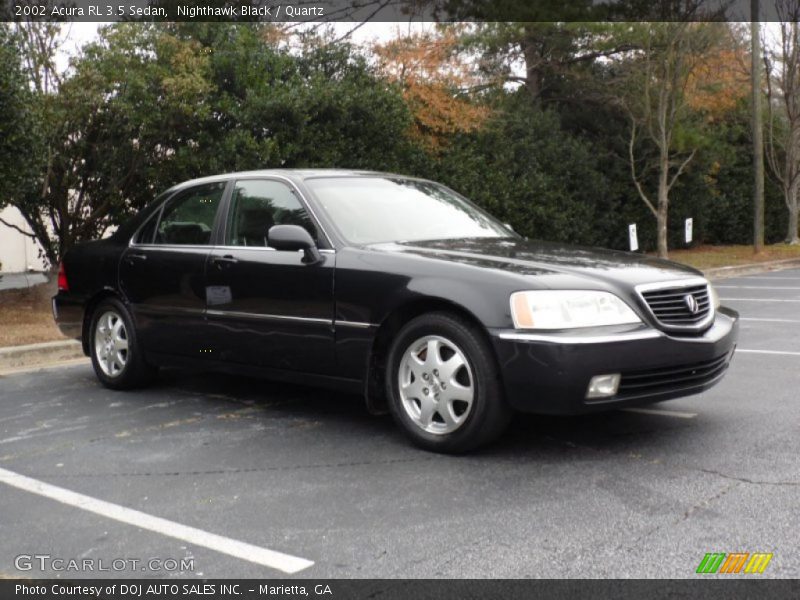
[17, 252]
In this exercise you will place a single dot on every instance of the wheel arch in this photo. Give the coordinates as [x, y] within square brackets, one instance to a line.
[374, 394]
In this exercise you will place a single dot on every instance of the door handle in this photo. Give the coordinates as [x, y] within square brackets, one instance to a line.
[224, 261]
[132, 258]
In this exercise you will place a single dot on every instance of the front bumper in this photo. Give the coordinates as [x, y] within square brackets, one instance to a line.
[550, 374]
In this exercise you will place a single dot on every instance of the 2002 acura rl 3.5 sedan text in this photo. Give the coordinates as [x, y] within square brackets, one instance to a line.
[393, 287]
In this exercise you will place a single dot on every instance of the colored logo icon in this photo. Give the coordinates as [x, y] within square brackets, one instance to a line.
[735, 562]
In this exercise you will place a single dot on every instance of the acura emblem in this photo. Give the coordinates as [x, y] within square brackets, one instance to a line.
[691, 303]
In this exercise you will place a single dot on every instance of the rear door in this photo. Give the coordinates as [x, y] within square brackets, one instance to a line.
[162, 273]
[266, 307]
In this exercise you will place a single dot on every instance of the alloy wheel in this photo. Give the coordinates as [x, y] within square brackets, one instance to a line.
[436, 385]
[111, 343]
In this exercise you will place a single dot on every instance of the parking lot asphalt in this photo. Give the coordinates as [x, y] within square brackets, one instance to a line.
[300, 473]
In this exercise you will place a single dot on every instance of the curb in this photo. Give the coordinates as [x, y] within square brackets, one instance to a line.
[751, 268]
[15, 357]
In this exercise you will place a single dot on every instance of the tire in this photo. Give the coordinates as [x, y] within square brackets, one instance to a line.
[117, 358]
[443, 385]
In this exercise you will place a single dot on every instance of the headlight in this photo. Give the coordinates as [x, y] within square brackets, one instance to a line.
[567, 309]
[715, 302]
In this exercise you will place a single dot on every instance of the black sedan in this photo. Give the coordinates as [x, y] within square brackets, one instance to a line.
[392, 287]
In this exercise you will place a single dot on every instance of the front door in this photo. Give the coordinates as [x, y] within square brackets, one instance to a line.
[266, 307]
[162, 273]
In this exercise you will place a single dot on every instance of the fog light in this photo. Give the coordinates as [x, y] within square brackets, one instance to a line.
[603, 386]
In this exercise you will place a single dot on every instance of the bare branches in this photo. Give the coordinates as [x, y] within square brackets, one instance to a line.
[783, 111]
[654, 92]
[772, 158]
[590, 56]
[17, 229]
[681, 168]
[41, 42]
[634, 176]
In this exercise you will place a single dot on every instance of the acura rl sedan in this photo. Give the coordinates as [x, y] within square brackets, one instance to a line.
[392, 287]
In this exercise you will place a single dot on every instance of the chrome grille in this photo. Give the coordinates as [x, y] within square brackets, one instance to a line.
[684, 306]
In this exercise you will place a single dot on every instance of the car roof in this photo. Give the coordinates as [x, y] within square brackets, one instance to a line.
[291, 174]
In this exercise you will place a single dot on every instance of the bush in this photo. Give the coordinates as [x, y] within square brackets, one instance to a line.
[527, 171]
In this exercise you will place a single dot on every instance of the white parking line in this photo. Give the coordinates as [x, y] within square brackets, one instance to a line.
[757, 300]
[769, 320]
[753, 287]
[783, 352]
[198, 537]
[662, 413]
[31, 435]
[774, 278]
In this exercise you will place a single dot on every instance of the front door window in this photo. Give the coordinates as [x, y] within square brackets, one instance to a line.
[257, 205]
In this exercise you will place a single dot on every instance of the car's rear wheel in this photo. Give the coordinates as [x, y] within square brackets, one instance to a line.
[116, 355]
[443, 385]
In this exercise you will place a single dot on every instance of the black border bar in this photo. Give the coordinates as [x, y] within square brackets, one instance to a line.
[282, 11]
[730, 588]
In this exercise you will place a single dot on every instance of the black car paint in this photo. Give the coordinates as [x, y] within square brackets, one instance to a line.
[324, 322]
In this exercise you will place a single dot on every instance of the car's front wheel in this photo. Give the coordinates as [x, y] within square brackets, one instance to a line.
[443, 385]
[117, 358]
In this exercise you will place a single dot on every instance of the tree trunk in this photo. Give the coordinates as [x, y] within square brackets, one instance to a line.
[756, 126]
[533, 61]
[663, 204]
[661, 220]
[794, 209]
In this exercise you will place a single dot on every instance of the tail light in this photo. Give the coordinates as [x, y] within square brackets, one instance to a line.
[63, 284]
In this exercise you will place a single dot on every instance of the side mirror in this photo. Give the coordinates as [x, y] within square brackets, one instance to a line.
[293, 238]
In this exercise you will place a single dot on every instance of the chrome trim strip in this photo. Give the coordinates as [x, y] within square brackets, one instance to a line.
[355, 324]
[234, 314]
[678, 283]
[177, 247]
[659, 285]
[719, 329]
[226, 247]
[160, 310]
[519, 336]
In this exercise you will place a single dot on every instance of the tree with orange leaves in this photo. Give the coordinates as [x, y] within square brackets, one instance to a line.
[435, 80]
[720, 79]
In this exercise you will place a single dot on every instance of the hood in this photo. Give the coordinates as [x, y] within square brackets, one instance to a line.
[536, 258]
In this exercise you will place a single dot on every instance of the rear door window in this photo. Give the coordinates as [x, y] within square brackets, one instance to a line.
[188, 218]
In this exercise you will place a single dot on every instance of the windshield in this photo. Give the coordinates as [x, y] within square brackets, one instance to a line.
[369, 210]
